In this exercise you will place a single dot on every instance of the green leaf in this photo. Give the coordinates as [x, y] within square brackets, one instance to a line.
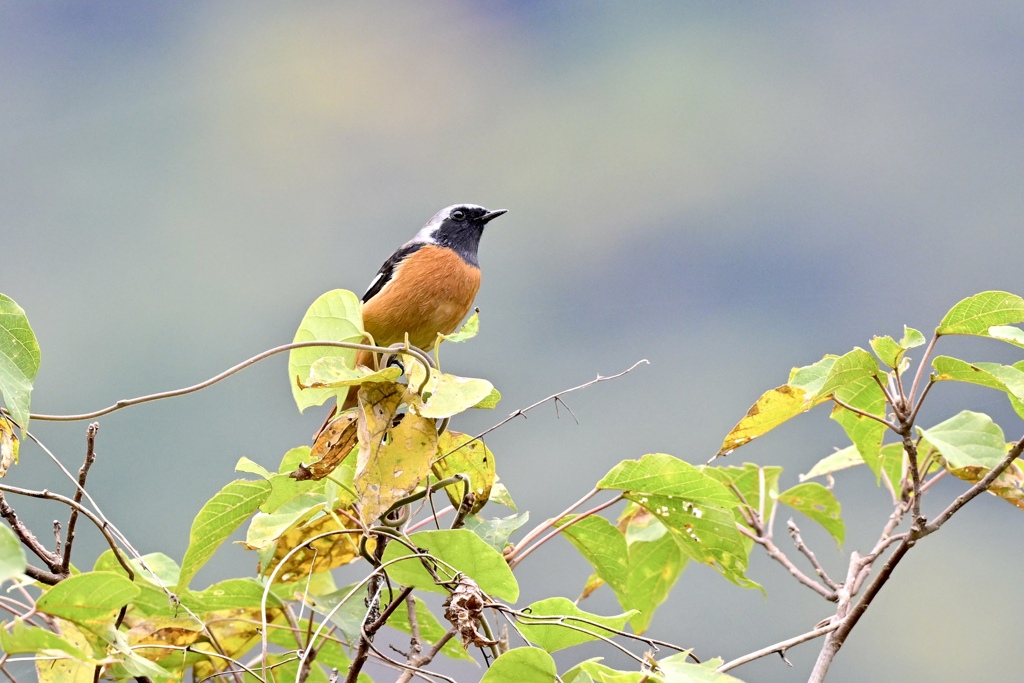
[849, 370]
[692, 505]
[753, 482]
[19, 360]
[654, 568]
[677, 670]
[22, 639]
[456, 551]
[604, 547]
[556, 623]
[87, 598]
[968, 439]
[221, 515]
[446, 395]
[976, 314]
[818, 503]
[12, 555]
[780, 404]
[866, 434]
[911, 338]
[522, 665]
[1005, 378]
[468, 330]
[490, 401]
[430, 629]
[659, 473]
[888, 351]
[1007, 333]
[265, 529]
[496, 531]
[240, 593]
[334, 316]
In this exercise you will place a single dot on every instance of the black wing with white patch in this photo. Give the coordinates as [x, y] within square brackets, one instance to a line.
[387, 271]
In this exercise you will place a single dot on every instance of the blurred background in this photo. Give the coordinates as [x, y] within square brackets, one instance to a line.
[725, 189]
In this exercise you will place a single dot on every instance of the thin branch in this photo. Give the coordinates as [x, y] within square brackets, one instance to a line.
[421, 660]
[90, 458]
[100, 524]
[515, 558]
[794, 533]
[920, 369]
[858, 411]
[26, 536]
[779, 647]
[977, 489]
[541, 528]
[124, 403]
[556, 396]
[776, 554]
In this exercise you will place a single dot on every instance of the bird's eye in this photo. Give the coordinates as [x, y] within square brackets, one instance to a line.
[459, 214]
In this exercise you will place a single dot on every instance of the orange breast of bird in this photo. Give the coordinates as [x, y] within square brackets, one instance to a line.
[430, 292]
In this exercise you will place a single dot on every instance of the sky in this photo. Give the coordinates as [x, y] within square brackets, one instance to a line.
[727, 190]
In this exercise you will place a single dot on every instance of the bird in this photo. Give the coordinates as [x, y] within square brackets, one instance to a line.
[427, 286]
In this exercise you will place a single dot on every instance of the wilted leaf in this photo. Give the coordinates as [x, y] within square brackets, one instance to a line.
[1007, 485]
[332, 445]
[317, 556]
[390, 469]
[334, 316]
[8, 446]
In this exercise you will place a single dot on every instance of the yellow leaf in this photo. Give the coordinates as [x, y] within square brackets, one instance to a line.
[772, 409]
[8, 446]
[457, 454]
[324, 553]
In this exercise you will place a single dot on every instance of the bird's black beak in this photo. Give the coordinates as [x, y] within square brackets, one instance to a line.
[488, 217]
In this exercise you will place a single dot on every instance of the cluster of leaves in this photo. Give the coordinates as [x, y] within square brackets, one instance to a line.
[362, 494]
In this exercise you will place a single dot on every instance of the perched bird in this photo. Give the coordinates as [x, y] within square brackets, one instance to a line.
[428, 285]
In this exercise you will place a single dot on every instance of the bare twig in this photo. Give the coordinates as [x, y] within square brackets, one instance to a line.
[424, 659]
[835, 640]
[541, 528]
[779, 647]
[776, 554]
[556, 396]
[516, 556]
[798, 540]
[100, 524]
[26, 536]
[920, 370]
[90, 458]
[858, 411]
